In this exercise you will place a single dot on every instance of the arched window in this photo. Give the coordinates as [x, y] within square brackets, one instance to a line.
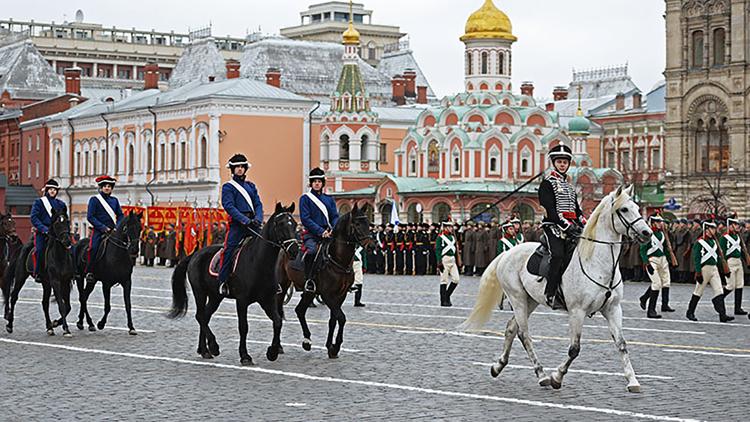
[173, 156]
[183, 155]
[344, 147]
[94, 162]
[149, 158]
[441, 212]
[58, 162]
[413, 163]
[456, 160]
[469, 63]
[204, 152]
[525, 162]
[500, 63]
[385, 212]
[494, 167]
[372, 51]
[697, 51]
[719, 46]
[85, 163]
[117, 160]
[524, 212]
[712, 146]
[485, 63]
[37, 169]
[131, 159]
[78, 164]
[104, 160]
[412, 215]
[363, 149]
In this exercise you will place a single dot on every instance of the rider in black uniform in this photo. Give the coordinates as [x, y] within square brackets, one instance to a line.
[564, 219]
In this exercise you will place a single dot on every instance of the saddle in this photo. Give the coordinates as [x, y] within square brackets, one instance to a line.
[539, 262]
[215, 266]
[29, 264]
[298, 263]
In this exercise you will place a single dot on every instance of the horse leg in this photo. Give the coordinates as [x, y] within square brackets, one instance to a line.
[522, 312]
[213, 305]
[332, 320]
[271, 309]
[62, 293]
[126, 298]
[13, 299]
[301, 311]
[341, 321]
[613, 315]
[83, 296]
[200, 316]
[106, 290]
[47, 290]
[576, 326]
[245, 358]
[511, 330]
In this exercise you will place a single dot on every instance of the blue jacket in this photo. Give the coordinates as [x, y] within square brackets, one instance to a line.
[98, 216]
[236, 206]
[39, 217]
[313, 218]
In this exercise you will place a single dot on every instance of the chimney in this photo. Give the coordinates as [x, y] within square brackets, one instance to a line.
[560, 93]
[411, 81]
[233, 69]
[273, 77]
[620, 101]
[398, 83]
[151, 76]
[549, 106]
[421, 95]
[637, 100]
[73, 80]
[527, 88]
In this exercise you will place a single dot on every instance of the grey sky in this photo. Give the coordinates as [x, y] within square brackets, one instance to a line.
[554, 35]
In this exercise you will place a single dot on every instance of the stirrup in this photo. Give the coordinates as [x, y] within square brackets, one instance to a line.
[224, 289]
[310, 286]
[90, 278]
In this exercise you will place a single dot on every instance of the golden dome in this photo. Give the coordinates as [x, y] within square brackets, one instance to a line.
[488, 22]
[351, 35]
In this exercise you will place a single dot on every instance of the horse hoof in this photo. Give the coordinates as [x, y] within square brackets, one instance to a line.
[545, 382]
[79, 325]
[214, 349]
[50, 332]
[495, 370]
[67, 334]
[132, 332]
[332, 354]
[248, 361]
[206, 355]
[556, 384]
[55, 323]
[281, 350]
[634, 388]
[9, 329]
[100, 325]
[272, 353]
[91, 328]
[307, 344]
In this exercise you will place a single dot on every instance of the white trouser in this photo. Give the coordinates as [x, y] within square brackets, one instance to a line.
[660, 278]
[736, 277]
[450, 270]
[710, 276]
[358, 275]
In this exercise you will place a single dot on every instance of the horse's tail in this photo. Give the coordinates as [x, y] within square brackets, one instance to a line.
[490, 293]
[179, 291]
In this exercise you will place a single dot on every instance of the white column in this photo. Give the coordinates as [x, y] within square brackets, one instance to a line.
[213, 147]
[355, 154]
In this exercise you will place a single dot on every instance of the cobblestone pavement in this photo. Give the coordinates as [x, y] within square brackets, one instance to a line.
[402, 360]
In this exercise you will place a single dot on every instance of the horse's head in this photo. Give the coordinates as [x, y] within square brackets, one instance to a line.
[281, 228]
[355, 226]
[59, 229]
[626, 216]
[7, 225]
[130, 231]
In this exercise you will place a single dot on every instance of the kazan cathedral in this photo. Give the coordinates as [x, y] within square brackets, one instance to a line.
[463, 153]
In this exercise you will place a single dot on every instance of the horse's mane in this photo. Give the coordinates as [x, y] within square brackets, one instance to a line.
[586, 247]
[344, 220]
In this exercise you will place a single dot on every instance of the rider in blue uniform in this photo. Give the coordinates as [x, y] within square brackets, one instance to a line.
[104, 213]
[241, 201]
[319, 216]
[41, 218]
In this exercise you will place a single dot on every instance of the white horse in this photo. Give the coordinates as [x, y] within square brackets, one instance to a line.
[591, 283]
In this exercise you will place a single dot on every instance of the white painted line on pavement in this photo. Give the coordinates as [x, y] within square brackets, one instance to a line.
[698, 352]
[582, 371]
[415, 315]
[376, 384]
[128, 329]
[296, 404]
[455, 333]
[651, 330]
[344, 349]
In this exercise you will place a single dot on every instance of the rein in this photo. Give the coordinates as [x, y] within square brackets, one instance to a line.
[358, 238]
[285, 245]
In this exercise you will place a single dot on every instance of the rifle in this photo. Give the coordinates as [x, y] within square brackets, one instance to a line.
[672, 258]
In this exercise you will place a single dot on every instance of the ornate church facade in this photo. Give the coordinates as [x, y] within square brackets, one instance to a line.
[707, 107]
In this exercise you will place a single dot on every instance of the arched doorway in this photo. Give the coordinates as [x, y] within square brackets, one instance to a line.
[413, 215]
[485, 212]
[524, 212]
[441, 212]
[385, 212]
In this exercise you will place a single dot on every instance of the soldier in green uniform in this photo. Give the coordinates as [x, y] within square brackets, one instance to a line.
[705, 263]
[446, 252]
[359, 261]
[509, 238]
[654, 256]
[731, 245]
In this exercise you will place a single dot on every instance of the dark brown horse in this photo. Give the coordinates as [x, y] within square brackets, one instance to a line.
[333, 280]
[10, 247]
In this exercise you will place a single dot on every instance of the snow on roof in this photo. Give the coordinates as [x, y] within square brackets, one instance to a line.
[200, 60]
[396, 63]
[24, 73]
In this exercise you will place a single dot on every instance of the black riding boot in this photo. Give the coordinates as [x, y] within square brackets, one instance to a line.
[653, 297]
[553, 283]
[644, 297]
[721, 309]
[358, 297]
[449, 292]
[691, 308]
[738, 303]
[443, 291]
[665, 300]
[309, 267]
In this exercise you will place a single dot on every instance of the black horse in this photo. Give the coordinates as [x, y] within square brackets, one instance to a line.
[114, 266]
[334, 279]
[252, 281]
[10, 247]
[56, 274]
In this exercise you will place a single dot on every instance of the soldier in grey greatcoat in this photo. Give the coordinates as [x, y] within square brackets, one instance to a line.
[481, 252]
[468, 248]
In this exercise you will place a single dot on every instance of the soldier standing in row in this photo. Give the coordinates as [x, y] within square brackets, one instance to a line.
[170, 246]
[380, 248]
[149, 250]
[468, 248]
[421, 250]
[400, 239]
[706, 264]
[495, 234]
[409, 240]
[481, 250]
[654, 256]
[447, 251]
[432, 258]
[731, 245]
[390, 254]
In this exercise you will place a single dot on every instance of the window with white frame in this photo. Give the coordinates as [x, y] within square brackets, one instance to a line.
[29, 143]
[28, 170]
[656, 158]
[37, 170]
[611, 159]
[38, 142]
[526, 162]
[413, 163]
[456, 161]
[494, 167]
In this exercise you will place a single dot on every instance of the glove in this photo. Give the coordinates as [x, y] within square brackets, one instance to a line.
[573, 231]
[698, 278]
[253, 226]
[440, 267]
[649, 269]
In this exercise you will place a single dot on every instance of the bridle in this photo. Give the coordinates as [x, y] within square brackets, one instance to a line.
[358, 236]
[124, 232]
[284, 245]
[61, 235]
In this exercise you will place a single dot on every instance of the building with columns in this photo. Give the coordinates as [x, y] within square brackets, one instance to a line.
[707, 108]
